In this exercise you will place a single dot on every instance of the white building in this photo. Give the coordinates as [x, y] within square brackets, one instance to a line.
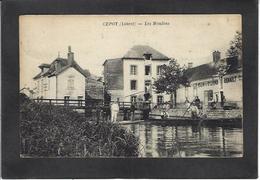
[130, 77]
[208, 86]
[62, 79]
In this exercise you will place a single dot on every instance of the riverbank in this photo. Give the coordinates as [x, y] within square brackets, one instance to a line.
[181, 116]
[51, 131]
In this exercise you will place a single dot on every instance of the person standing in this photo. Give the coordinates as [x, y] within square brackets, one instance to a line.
[197, 102]
[114, 111]
[132, 110]
[187, 103]
[146, 110]
[194, 110]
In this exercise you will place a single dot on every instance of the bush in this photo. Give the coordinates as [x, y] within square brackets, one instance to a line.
[50, 131]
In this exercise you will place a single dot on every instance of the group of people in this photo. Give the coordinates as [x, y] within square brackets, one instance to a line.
[194, 107]
[112, 109]
[112, 112]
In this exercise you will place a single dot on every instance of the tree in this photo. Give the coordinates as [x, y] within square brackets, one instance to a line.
[171, 77]
[235, 48]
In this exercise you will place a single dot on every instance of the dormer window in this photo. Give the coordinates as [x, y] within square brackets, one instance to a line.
[147, 56]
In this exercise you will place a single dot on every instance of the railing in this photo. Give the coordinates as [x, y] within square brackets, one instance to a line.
[91, 103]
[76, 103]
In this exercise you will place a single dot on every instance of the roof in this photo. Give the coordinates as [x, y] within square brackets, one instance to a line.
[44, 65]
[112, 60]
[63, 65]
[201, 72]
[208, 70]
[94, 88]
[137, 52]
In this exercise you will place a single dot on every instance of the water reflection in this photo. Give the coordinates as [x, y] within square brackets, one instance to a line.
[158, 140]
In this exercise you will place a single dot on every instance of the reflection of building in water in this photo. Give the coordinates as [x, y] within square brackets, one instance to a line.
[184, 141]
[148, 140]
[167, 142]
[142, 138]
[154, 148]
[232, 142]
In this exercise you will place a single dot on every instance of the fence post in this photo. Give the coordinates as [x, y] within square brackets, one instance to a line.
[50, 106]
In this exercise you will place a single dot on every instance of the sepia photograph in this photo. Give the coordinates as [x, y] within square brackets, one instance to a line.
[131, 86]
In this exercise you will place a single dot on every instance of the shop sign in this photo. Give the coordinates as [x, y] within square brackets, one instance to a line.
[230, 79]
[207, 83]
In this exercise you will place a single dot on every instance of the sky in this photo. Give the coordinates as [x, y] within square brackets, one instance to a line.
[95, 38]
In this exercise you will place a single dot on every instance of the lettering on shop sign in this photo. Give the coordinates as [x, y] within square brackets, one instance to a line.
[230, 79]
[206, 83]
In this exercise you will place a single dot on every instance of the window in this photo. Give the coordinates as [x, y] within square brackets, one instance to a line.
[159, 70]
[70, 83]
[133, 69]
[148, 70]
[147, 56]
[133, 84]
[159, 99]
[133, 99]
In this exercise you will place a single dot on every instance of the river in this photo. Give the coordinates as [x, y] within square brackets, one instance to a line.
[167, 140]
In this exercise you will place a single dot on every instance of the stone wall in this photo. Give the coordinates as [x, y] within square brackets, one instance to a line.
[211, 114]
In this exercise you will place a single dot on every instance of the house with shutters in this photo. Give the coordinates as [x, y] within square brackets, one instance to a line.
[129, 77]
[62, 79]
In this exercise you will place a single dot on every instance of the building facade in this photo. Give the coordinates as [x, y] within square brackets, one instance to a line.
[209, 85]
[62, 79]
[130, 77]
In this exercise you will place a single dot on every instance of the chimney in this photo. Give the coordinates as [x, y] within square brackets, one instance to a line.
[216, 56]
[190, 64]
[70, 55]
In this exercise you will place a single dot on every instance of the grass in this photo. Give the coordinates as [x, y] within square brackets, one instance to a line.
[49, 131]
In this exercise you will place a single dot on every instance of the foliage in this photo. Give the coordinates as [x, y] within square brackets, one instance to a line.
[49, 131]
[222, 69]
[235, 45]
[171, 77]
